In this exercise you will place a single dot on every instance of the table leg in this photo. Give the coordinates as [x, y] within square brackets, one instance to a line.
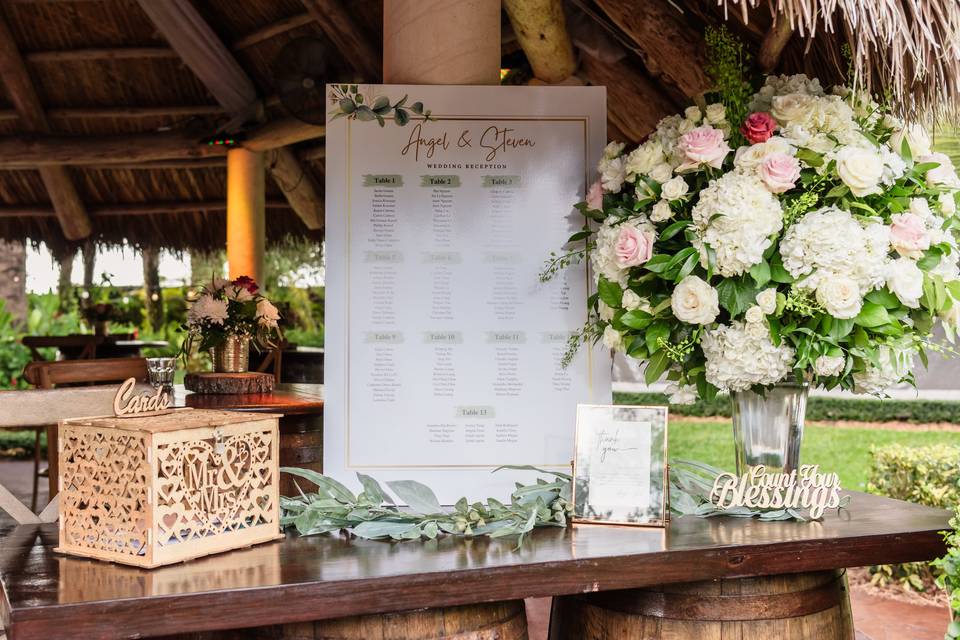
[53, 460]
[802, 606]
[301, 445]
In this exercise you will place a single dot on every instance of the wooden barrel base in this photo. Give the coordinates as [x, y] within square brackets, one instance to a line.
[802, 606]
[491, 621]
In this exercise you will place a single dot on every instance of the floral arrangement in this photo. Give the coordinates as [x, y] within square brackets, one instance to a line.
[812, 238]
[231, 308]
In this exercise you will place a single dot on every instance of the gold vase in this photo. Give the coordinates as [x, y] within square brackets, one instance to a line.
[232, 355]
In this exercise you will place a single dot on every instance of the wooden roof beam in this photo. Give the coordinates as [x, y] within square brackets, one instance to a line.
[271, 30]
[541, 29]
[280, 133]
[30, 151]
[346, 36]
[135, 209]
[773, 44]
[114, 53]
[71, 214]
[219, 71]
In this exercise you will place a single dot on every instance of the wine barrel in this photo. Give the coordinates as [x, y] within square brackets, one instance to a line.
[808, 606]
[301, 445]
[491, 621]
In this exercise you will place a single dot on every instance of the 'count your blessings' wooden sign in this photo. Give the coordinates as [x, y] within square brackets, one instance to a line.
[801, 489]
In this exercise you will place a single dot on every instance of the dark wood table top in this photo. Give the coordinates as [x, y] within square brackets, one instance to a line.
[288, 399]
[46, 595]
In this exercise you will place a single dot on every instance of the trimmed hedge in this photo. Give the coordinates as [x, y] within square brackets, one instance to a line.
[825, 409]
[19, 444]
[924, 475]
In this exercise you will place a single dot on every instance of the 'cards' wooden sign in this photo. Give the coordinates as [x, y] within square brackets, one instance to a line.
[129, 404]
[803, 488]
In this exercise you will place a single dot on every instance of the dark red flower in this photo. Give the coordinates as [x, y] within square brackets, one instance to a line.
[247, 283]
[758, 127]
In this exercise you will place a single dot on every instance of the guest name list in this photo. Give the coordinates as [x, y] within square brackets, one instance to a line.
[443, 348]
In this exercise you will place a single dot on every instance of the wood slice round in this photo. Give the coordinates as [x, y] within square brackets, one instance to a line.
[229, 383]
[803, 606]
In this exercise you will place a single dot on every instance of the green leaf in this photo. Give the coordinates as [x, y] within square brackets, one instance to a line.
[692, 261]
[373, 489]
[401, 117]
[778, 273]
[653, 334]
[883, 297]
[872, 315]
[417, 108]
[418, 496]
[736, 295]
[375, 529]
[381, 105]
[812, 158]
[347, 105]
[326, 484]
[674, 229]
[610, 292]
[364, 114]
[930, 259]
[658, 363]
[760, 273]
[841, 328]
[636, 319]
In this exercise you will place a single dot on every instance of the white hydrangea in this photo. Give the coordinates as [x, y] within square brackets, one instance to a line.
[748, 216]
[894, 365]
[782, 85]
[737, 359]
[681, 393]
[828, 243]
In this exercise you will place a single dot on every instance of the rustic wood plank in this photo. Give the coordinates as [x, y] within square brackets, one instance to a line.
[671, 49]
[71, 213]
[30, 151]
[335, 20]
[135, 209]
[282, 582]
[272, 30]
[106, 53]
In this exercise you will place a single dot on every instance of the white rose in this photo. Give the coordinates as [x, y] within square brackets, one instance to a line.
[694, 301]
[755, 315]
[674, 188]
[916, 137]
[630, 300]
[661, 172]
[612, 175]
[793, 107]
[716, 113]
[687, 126]
[860, 169]
[692, 113]
[661, 212]
[767, 300]
[827, 366]
[944, 173]
[948, 204]
[605, 311]
[951, 316]
[612, 338]
[840, 296]
[613, 149]
[905, 280]
[644, 158]
[267, 314]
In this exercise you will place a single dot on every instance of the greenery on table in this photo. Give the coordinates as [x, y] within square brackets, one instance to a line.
[372, 513]
[949, 578]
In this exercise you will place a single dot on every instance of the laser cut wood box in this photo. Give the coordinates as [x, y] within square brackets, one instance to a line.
[151, 491]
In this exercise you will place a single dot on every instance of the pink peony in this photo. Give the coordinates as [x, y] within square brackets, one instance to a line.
[634, 247]
[758, 127]
[595, 197]
[703, 145]
[779, 172]
[908, 235]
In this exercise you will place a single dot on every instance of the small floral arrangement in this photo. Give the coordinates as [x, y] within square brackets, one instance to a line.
[814, 239]
[231, 308]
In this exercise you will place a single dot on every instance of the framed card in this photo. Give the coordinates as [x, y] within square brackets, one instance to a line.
[619, 466]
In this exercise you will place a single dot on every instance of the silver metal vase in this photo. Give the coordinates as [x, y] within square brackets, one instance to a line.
[768, 428]
[232, 355]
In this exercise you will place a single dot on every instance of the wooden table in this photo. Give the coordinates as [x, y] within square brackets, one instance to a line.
[47, 596]
[89, 346]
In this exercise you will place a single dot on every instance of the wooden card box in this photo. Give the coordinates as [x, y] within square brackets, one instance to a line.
[151, 491]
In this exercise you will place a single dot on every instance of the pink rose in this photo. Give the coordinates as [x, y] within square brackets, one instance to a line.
[908, 234]
[595, 197]
[779, 172]
[703, 145]
[634, 247]
[758, 127]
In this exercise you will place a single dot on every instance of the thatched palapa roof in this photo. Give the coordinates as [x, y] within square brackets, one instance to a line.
[104, 103]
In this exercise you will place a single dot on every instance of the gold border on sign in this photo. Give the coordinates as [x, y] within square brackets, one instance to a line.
[664, 501]
[585, 121]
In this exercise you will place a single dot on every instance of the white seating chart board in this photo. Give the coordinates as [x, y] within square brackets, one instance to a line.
[443, 348]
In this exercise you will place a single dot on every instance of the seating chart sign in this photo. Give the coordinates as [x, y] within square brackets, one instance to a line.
[443, 349]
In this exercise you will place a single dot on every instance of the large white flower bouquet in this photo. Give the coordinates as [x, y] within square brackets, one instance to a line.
[790, 234]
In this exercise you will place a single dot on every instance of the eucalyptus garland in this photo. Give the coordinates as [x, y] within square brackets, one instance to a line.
[373, 513]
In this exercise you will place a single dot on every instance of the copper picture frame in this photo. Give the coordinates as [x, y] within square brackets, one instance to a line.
[620, 465]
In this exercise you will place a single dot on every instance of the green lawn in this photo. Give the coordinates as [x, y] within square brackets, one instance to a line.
[845, 451]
